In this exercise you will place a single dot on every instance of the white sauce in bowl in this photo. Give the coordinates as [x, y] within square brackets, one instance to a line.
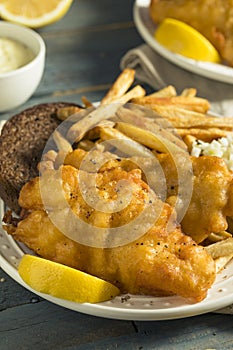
[13, 55]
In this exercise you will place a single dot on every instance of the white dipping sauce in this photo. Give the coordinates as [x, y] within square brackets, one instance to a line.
[13, 55]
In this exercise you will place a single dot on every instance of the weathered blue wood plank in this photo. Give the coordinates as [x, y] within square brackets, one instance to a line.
[90, 59]
[88, 13]
[13, 294]
[47, 326]
[209, 331]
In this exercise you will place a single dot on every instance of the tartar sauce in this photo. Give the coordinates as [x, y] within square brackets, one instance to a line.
[13, 55]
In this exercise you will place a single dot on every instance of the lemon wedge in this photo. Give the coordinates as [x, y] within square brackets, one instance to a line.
[63, 282]
[183, 39]
[34, 14]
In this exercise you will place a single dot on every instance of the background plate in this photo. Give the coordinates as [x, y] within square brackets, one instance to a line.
[146, 29]
[125, 307]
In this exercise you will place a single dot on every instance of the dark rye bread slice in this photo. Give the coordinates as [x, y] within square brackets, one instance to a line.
[22, 142]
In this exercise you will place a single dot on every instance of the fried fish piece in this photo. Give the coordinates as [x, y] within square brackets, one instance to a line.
[211, 200]
[161, 261]
[212, 18]
[209, 206]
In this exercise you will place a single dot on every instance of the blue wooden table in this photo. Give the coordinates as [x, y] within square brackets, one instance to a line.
[83, 54]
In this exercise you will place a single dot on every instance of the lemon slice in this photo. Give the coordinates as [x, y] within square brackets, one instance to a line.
[183, 39]
[63, 282]
[34, 14]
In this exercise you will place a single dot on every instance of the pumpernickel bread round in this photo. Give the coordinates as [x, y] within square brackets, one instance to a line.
[22, 142]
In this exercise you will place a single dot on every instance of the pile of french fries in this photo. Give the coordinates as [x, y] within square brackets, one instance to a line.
[159, 122]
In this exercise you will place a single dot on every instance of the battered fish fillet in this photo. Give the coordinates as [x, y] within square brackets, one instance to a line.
[212, 18]
[211, 201]
[163, 261]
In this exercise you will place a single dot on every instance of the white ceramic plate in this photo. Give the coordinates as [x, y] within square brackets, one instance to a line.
[125, 307]
[146, 29]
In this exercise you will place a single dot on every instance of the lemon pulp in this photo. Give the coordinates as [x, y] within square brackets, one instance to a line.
[34, 14]
[63, 282]
[183, 39]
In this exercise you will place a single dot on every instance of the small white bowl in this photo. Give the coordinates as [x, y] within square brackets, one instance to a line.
[17, 86]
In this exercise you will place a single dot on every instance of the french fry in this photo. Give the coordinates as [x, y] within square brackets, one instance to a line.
[74, 115]
[168, 91]
[94, 133]
[221, 248]
[204, 134]
[86, 102]
[120, 86]
[147, 138]
[86, 145]
[79, 129]
[175, 111]
[172, 200]
[200, 122]
[196, 104]
[66, 112]
[61, 142]
[127, 145]
[189, 92]
[45, 165]
[143, 112]
[47, 162]
[219, 236]
[74, 158]
[138, 118]
[189, 140]
[50, 155]
[104, 111]
[135, 92]
[107, 123]
[222, 261]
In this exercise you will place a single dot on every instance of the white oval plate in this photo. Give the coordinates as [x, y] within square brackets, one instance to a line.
[125, 307]
[146, 28]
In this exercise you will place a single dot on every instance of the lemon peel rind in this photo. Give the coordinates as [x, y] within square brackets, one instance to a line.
[39, 22]
[210, 52]
[64, 282]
